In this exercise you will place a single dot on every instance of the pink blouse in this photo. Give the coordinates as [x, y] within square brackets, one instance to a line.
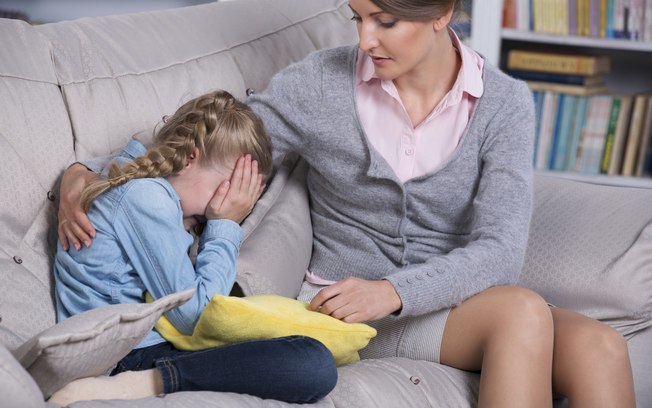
[410, 151]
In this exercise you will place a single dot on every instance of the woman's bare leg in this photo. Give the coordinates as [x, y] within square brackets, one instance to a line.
[591, 364]
[508, 333]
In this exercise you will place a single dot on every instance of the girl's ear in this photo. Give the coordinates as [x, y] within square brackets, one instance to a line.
[193, 157]
[442, 22]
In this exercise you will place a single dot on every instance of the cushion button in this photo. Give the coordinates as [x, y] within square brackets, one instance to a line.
[51, 196]
[18, 259]
[415, 380]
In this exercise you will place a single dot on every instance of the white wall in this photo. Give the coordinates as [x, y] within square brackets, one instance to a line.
[57, 10]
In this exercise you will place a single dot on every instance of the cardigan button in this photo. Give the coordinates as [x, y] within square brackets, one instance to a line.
[415, 380]
[18, 259]
[51, 196]
[250, 92]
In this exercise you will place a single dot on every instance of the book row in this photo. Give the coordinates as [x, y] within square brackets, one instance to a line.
[597, 134]
[621, 19]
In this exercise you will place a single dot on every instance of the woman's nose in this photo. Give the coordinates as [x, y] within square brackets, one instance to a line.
[368, 38]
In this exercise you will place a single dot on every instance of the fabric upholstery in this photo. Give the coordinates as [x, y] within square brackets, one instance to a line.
[275, 253]
[115, 86]
[36, 145]
[91, 343]
[17, 388]
[590, 250]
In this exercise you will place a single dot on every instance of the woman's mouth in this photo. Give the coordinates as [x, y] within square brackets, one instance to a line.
[380, 60]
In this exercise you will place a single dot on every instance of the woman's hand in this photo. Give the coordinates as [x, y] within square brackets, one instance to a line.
[356, 300]
[74, 226]
[235, 199]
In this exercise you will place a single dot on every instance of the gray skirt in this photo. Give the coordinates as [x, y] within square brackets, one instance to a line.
[414, 337]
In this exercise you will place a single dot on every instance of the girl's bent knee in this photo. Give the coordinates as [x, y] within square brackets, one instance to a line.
[316, 376]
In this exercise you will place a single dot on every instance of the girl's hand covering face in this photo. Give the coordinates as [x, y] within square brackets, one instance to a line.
[234, 199]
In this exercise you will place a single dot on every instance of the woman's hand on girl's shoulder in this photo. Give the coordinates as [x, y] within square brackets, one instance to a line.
[74, 227]
[234, 199]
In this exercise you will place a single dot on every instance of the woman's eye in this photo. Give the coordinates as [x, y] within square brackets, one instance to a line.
[357, 19]
[387, 24]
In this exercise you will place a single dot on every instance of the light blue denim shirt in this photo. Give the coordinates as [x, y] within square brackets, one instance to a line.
[141, 245]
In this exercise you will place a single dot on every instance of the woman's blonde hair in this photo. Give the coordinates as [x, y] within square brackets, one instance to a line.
[220, 126]
[415, 10]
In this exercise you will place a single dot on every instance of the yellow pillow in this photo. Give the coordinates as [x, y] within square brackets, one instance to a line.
[228, 319]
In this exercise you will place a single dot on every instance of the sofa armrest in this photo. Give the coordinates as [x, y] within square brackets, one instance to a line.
[590, 250]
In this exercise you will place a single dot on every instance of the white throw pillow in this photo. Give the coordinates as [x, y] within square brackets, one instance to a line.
[91, 343]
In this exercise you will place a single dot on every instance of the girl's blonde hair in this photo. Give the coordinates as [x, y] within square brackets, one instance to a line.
[415, 10]
[220, 126]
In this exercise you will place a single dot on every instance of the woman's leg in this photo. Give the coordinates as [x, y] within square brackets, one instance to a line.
[591, 364]
[508, 333]
[293, 369]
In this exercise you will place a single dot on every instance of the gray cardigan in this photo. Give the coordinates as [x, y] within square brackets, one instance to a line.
[439, 238]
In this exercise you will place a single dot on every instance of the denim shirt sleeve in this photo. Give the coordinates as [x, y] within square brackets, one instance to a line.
[148, 222]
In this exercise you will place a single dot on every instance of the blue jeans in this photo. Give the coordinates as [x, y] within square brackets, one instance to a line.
[293, 369]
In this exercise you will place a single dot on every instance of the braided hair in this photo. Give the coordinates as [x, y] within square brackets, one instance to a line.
[219, 125]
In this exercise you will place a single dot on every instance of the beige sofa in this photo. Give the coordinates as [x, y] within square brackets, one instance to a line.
[74, 90]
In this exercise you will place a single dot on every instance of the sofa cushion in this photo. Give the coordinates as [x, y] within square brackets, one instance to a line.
[115, 87]
[17, 388]
[277, 245]
[590, 250]
[36, 146]
[91, 343]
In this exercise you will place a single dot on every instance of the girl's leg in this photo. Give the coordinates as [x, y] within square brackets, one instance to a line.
[293, 369]
[508, 333]
[591, 364]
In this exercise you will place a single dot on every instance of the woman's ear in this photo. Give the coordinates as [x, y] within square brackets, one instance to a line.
[442, 22]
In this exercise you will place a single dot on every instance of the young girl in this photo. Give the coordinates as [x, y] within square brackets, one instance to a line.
[204, 167]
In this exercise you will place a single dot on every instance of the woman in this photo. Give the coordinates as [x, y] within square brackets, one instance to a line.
[420, 181]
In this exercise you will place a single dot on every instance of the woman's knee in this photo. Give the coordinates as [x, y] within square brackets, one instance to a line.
[523, 313]
[601, 344]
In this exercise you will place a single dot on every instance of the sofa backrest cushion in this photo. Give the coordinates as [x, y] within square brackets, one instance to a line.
[121, 74]
[590, 250]
[36, 146]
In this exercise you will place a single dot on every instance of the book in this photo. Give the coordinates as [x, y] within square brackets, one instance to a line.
[620, 136]
[565, 127]
[569, 79]
[580, 90]
[576, 132]
[546, 129]
[611, 134]
[538, 108]
[645, 139]
[556, 131]
[634, 136]
[557, 62]
[592, 142]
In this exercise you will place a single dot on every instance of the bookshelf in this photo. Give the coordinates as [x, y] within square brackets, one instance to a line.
[631, 63]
